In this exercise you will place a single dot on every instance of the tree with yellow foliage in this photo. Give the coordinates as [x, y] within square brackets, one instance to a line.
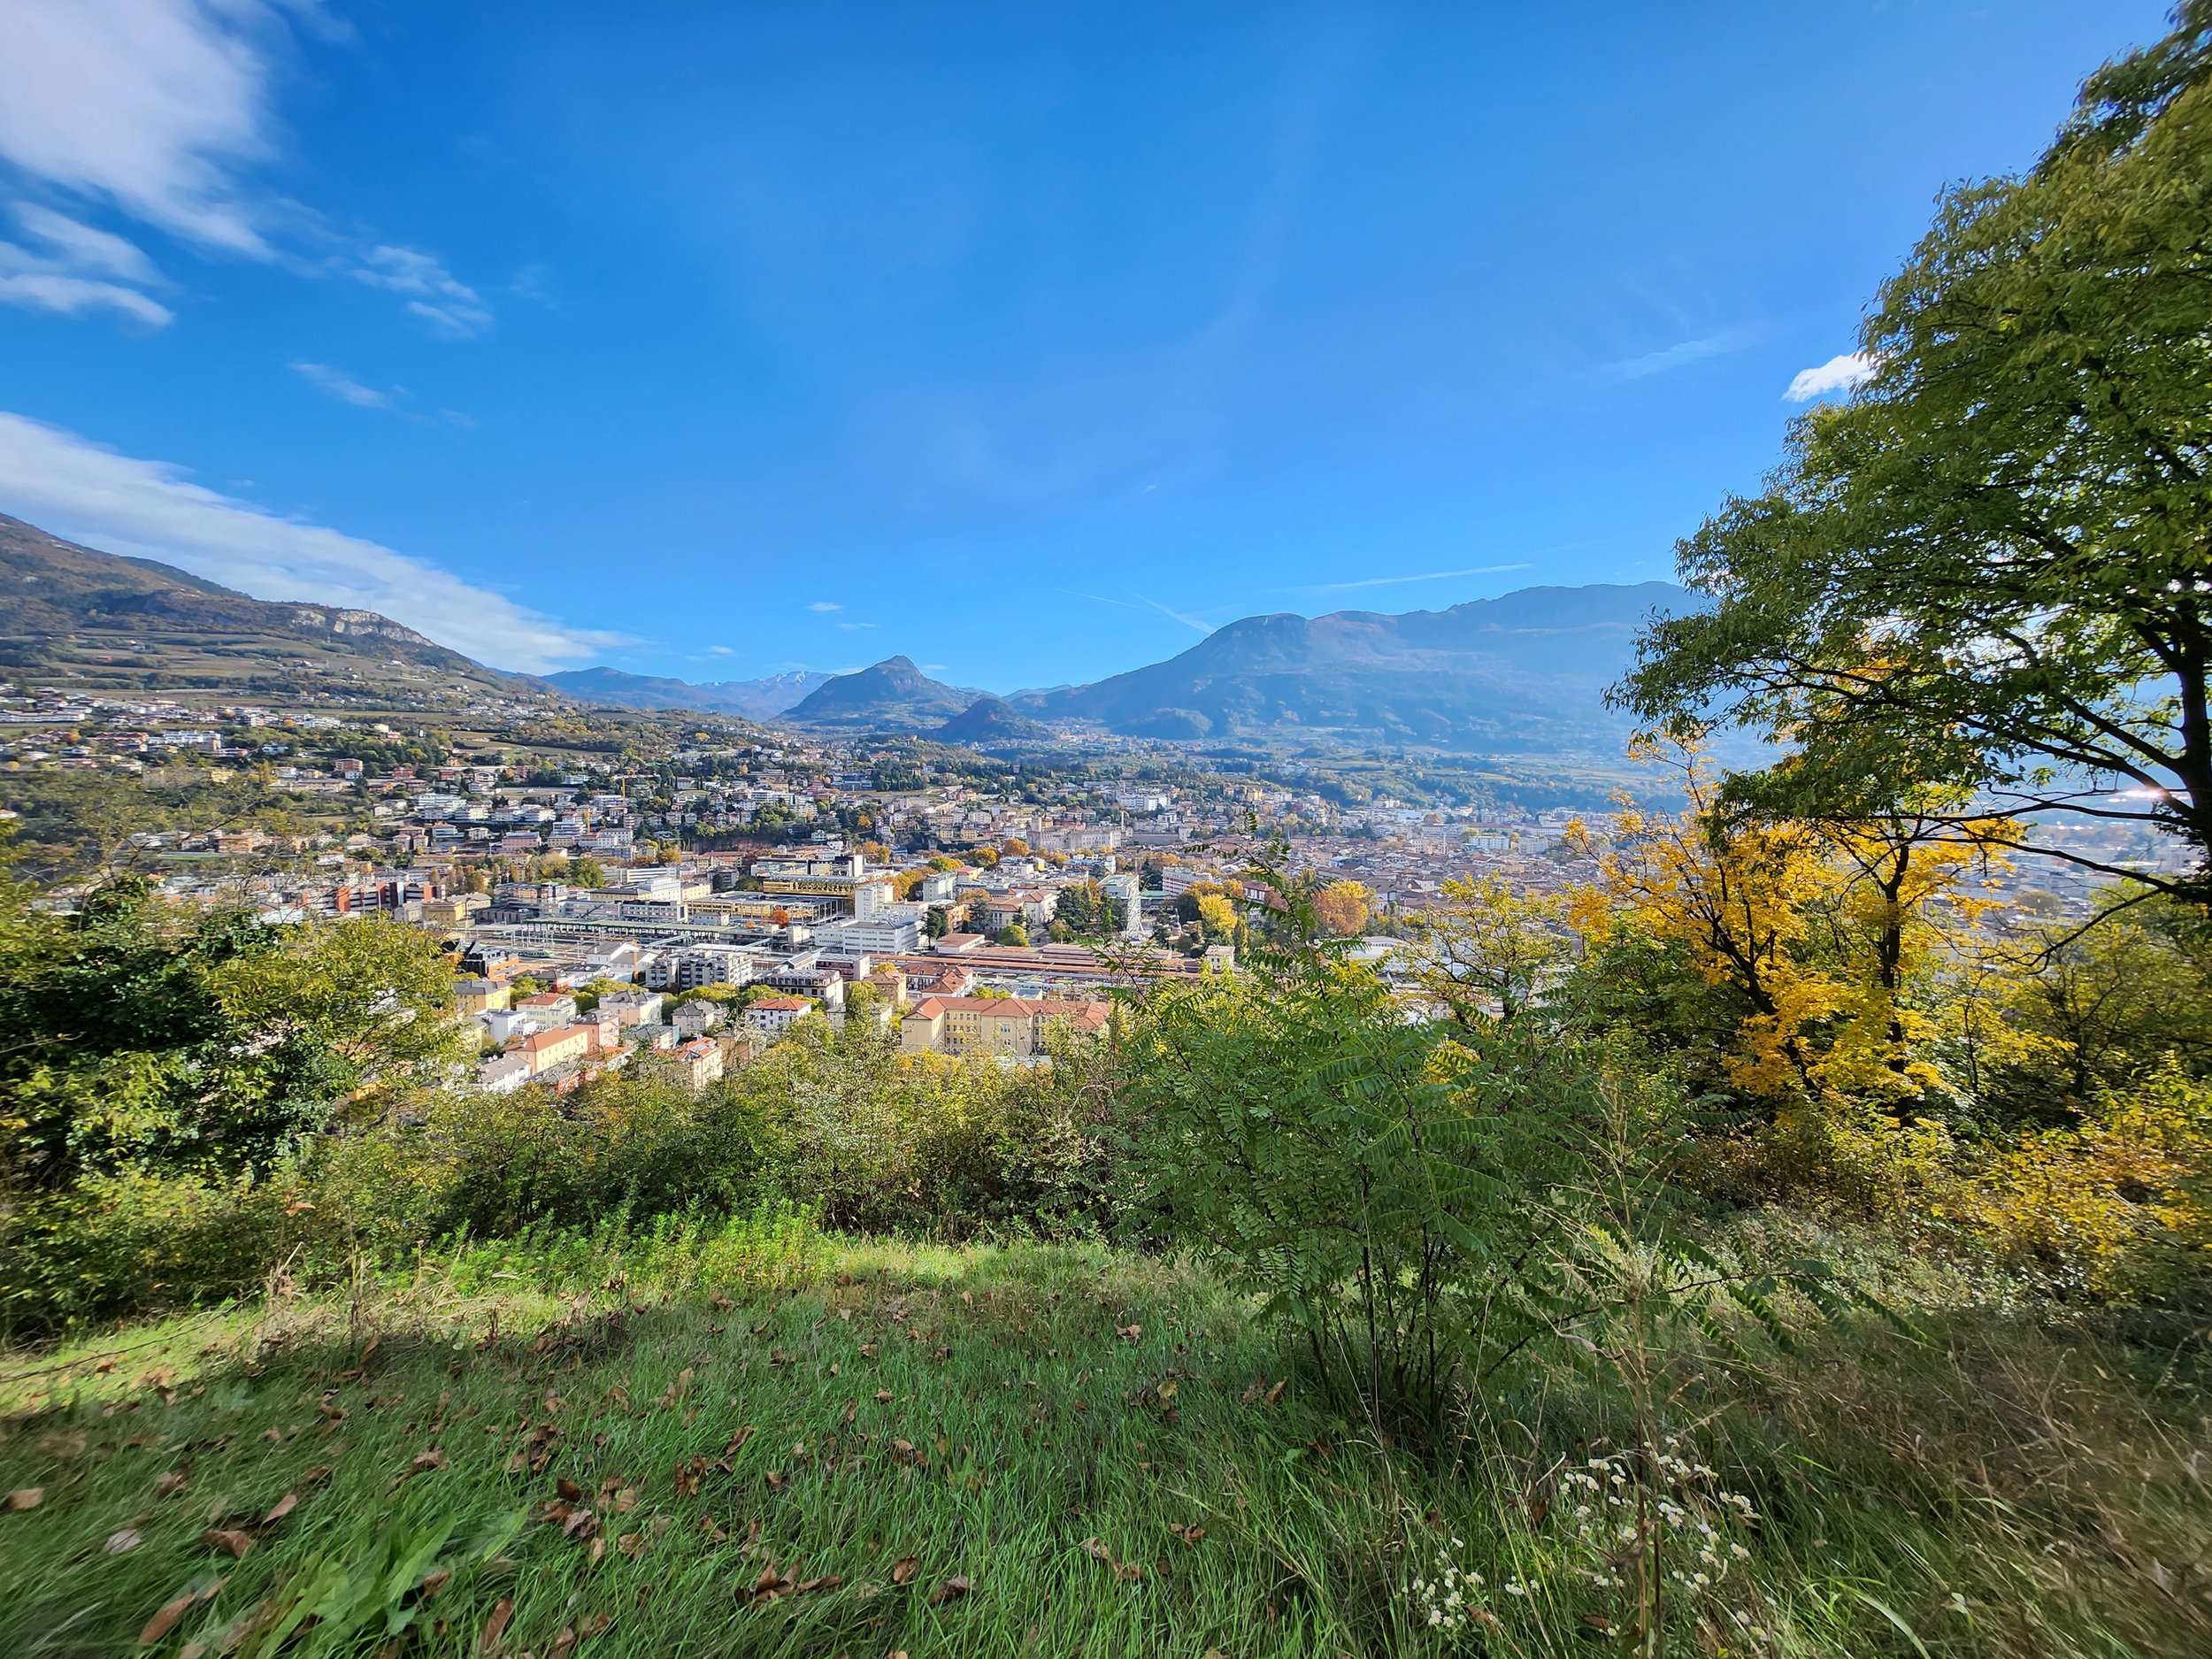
[1342, 908]
[1488, 952]
[1823, 933]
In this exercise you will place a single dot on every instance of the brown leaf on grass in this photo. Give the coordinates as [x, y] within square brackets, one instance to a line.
[564, 1644]
[581, 1524]
[904, 1568]
[631, 1544]
[677, 1389]
[284, 1506]
[869, 1350]
[713, 1533]
[968, 1296]
[569, 1490]
[721, 1301]
[738, 1439]
[164, 1621]
[495, 1626]
[434, 1583]
[1129, 1333]
[852, 1410]
[26, 1498]
[951, 1590]
[331, 1412]
[827, 1581]
[1275, 1393]
[123, 1542]
[174, 1481]
[432, 1459]
[1095, 1548]
[230, 1540]
[1128, 1571]
[368, 1349]
[775, 1480]
[883, 1396]
[316, 1476]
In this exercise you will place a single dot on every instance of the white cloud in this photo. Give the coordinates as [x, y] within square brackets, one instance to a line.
[89, 248]
[162, 111]
[343, 386]
[74, 274]
[1184, 618]
[856, 627]
[1846, 373]
[451, 307]
[720, 650]
[825, 605]
[153, 105]
[76, 488]
[1427, 576]
[1682, 354]
[65, 295]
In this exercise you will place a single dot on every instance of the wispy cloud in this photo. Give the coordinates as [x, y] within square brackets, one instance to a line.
[77, 269]
[398, 401]
[163, 112]
[451, 307]
[343, 386]
[1184, 618]
[1426, 576]
[151, 509]
[826, 605]
[1682, 354]
[856, 627]
[1845, 373]
[720, 650]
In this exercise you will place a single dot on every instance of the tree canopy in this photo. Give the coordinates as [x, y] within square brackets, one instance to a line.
[1990, 570]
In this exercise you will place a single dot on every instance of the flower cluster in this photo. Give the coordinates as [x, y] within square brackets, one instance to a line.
[1449, 1600]
[1633, 1515]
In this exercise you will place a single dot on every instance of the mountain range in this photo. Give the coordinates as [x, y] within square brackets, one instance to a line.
[1524, 672]
[753, 699]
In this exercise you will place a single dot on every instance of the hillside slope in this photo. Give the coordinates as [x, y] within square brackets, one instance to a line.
[96, 621]
[1524, 671]
[893, 694]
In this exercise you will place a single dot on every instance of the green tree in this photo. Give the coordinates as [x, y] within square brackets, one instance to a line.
[1991, 568]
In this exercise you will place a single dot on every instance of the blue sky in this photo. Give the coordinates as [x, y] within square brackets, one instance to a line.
[1029, 339]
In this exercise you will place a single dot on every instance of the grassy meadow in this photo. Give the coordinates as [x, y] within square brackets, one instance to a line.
[754, 1438]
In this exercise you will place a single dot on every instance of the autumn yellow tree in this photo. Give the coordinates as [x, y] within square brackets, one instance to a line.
[1488, 952]
[1828, 933]
[1342, 908]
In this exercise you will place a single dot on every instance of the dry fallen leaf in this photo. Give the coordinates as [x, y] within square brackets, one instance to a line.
[432, 1459]
[434, 1583]
[951, 1590]
[903, 1569]
[1276, 1392]
[26, 1497]
[231, 1541]
[284, 1505]
[174, 1481]
[569, 1490]
[162, 1623]
[1095, 1548]
[631, 1544]
[123, 1542]
[1188, 1533]
[495, 1626]
[883, 1396]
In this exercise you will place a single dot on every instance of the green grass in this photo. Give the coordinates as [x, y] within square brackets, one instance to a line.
[1998, 1492]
